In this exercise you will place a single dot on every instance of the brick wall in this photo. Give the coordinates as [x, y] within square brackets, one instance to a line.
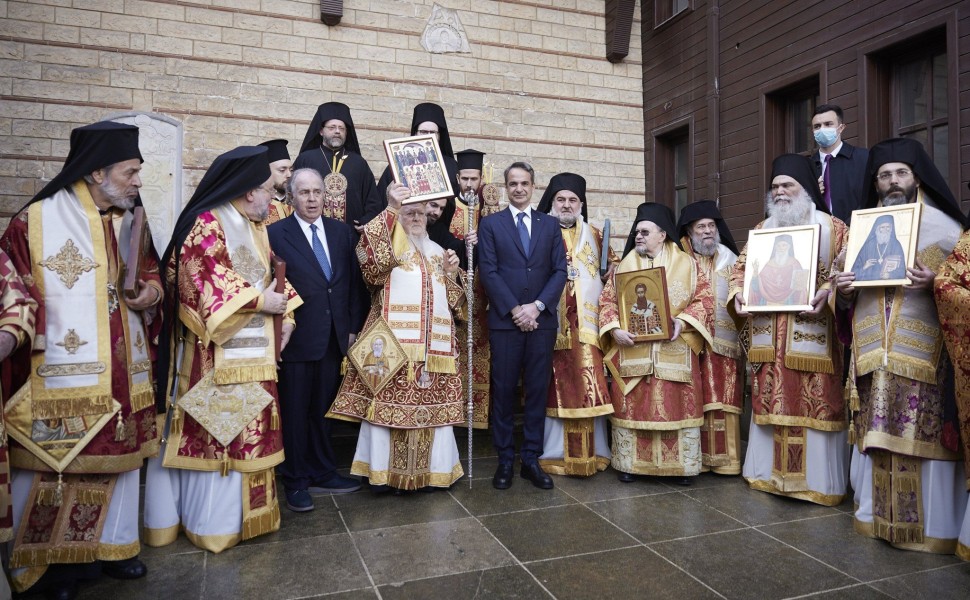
[536, 85]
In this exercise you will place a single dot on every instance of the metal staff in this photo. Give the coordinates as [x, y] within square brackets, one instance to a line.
[471, 201]
[605, 250]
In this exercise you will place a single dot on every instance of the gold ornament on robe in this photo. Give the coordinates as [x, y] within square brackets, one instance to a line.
[377, 355]
[224, 410]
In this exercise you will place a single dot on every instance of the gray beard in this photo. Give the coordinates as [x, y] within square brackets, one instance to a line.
[797, 213]
[116, 196]
[566, 221]
[882, 238]
[705, 248]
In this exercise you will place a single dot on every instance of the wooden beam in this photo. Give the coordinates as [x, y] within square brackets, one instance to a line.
[619, 22]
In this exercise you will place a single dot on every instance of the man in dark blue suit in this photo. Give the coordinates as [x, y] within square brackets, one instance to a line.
[322, 265]
[523, 268]
[838, 163]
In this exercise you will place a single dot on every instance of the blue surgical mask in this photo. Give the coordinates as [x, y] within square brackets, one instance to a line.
[826, 136]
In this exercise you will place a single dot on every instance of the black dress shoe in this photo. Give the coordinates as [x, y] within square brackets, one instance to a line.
[503, 477]
[131, 568]
[62, 590]
[534, 473]
[625, 477]
[684, 481]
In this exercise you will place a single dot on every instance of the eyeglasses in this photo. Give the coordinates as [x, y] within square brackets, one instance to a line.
[900, 173]
[427, 131]
[643, 232]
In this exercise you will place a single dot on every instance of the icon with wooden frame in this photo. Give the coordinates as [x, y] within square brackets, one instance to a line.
[782, 263]
[416, 162]
[882, 245]
[644, 305]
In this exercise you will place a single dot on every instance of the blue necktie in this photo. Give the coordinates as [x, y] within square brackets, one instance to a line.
[523, 232]
[321, 255]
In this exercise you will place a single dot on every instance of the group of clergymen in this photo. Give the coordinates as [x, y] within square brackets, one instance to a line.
[209, 362]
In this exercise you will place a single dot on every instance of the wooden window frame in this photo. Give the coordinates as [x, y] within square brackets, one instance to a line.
[774, 95]
[875, 77]
[664, 188]
[660, 18]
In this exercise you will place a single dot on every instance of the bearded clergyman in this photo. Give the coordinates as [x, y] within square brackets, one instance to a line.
[797, 440]
[705, 236]
[575, 441]
[407, 411]
[906, 472]
[79, 409]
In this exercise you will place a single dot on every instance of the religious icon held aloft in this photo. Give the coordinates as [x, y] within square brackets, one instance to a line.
[780, 272]
[416, 162]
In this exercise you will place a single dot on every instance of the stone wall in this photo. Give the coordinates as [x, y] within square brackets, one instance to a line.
[535, 85]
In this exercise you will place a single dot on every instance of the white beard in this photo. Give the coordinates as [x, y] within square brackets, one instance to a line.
[421, 243]
[799, 212]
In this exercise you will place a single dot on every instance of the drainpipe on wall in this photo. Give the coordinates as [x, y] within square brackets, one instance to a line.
[714, 98]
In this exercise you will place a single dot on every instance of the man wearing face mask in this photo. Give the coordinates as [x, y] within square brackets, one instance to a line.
[840, 167]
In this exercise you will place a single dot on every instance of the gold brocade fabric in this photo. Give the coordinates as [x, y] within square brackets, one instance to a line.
[409, 466]
[781, 395]
[898, 514]
[420, 394]
[578, 388]
[721, 442]
[215, 303]
[952, 292]
[224, 410]
[62, 522]
[277, 212]
[579, 451]
[669, 399]
[902, 415]
[658, 453]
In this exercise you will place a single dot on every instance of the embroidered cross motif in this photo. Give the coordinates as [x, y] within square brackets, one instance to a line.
[72, 341]
[68, 264]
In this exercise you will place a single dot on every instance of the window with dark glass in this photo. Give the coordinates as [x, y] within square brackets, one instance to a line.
[920, 104]
[667, 9]
[788, 118]
[673, 169]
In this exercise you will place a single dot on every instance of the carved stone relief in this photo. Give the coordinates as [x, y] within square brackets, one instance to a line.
[160, 142]
[444, 32]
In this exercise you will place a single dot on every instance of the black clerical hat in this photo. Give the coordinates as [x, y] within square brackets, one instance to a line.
[470, 159]
[428, 111]
[94, 147]
[658, 214]
[705, 209]
[931, 181]
[326, 112]
[564, 181]
[230, 176]
[800, 169]
[277, 150]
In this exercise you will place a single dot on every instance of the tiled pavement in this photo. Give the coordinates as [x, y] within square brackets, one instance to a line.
[588, 538]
